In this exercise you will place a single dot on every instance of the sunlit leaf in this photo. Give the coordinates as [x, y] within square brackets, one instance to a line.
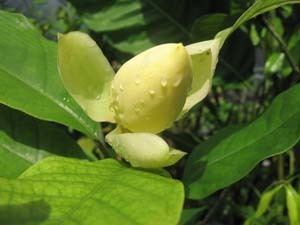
[68, 191]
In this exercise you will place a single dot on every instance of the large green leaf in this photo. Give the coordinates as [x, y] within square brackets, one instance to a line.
[134, 25]
[68, 191]
[25, 140]
[29, 79]
[228, 157]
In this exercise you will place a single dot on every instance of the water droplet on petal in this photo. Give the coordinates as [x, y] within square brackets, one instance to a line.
[91, 44]
[164, 83]
[152, 93]
[177, 82]
[137, 82]
[121, 87]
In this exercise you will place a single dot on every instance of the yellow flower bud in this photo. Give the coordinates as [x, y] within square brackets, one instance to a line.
[149, 91]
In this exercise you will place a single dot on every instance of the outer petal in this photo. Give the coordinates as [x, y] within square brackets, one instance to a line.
[86, 74]
[144, 150]
[204, 56]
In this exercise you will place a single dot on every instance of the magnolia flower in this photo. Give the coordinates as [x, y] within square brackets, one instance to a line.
[146, 95]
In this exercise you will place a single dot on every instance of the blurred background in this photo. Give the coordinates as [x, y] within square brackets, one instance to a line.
[258, 61]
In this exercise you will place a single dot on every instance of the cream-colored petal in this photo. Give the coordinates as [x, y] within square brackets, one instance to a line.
[143, 150]
[204, 57]
[86, 74]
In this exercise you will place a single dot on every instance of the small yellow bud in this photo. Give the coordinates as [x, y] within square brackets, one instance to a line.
[149, 90]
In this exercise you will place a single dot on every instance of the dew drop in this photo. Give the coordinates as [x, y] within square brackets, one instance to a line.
[91, 44]
[121, 87]
[164, 83]
[137, 82]
[152, 92]
[98, 97]
[177, 82]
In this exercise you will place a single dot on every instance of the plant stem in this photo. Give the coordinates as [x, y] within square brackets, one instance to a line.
[291, 163]
[280, 167]
[284, 46]
[214, 208]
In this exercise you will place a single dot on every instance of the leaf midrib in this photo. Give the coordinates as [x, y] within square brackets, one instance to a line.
[50, 98]
[251, 143]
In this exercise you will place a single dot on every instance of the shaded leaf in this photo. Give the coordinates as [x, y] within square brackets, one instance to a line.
[222, 161]
[25, 140]
[188, 215]
[133, 26]
[207, 26]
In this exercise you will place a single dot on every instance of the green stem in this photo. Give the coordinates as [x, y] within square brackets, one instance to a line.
[280, 167]
[284, 46]
[291, 162]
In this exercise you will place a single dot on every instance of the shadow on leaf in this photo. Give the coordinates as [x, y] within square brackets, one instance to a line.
[33, 212]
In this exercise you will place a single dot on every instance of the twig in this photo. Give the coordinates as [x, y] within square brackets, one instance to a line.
[214, 208]
[283, 45]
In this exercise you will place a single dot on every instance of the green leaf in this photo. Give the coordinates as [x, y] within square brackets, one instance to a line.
[293, 205]
[188, 215]
[264, 204]
[207, 26]
[29, 79]
[145, 150]
[68, 191]
[230, 156]
[25, 140]
[86, 74]
[274, 63]
[133, 26]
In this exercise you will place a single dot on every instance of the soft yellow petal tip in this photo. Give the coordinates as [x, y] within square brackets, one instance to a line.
[144, 150]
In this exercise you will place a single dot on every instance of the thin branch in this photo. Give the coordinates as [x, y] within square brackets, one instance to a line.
[213, 209]
[283, 45]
